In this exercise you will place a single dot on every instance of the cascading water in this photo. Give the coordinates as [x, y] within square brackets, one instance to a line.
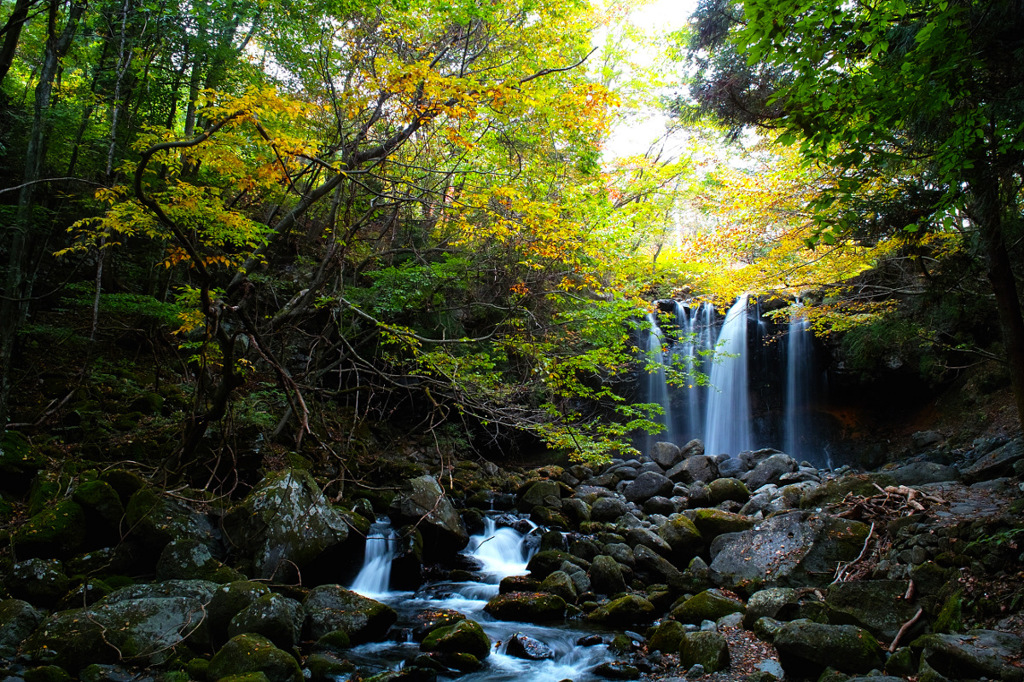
[374, 577]
[657, 381]
[728, 428]
[696, 331]
[798, 389]
[500, 552]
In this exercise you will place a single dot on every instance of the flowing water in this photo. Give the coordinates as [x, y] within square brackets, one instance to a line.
[374, 577]
[657, 382]
[728, 428]
[500, 552]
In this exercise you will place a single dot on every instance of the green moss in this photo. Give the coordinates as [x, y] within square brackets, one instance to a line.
[950, 616]
[47, 673]
[251, 653]
[57, 531]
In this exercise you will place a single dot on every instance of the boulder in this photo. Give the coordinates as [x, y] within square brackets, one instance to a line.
[57, 531]
[647, 485]
[608, 509]
[284, 523]
[921, 473]
[528, 648]
[251, 653]
[559, 583]
[624, 612]
[332, 607]
[692, 448]
[659, 569]
[274, 616]
[617, 670]
[696, 468]
[997, 463]
[190, 559]
[538, 494]
[606, 575]
[770, 470]
[683, 538]
[428, 621]
[153, 519]
[878, 606]
[666, 455]
[667, 637]
[18, 619]
[713, 522]
[708, 649]
[528, 607]
[464, 637]
[792, 549]
[227, 601]
[642, 537]
[39, 581]
[807, 648]
[424, 503]
[707, 605]
[728, 489]
[976, 654]
[103, 509]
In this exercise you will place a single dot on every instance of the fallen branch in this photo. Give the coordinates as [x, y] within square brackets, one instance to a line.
[903, 630]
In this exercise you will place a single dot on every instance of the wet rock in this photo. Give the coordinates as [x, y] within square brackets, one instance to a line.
[978, 653]
[770, 470]
[608, 509]
[543, 564]
[693, 448]
[791, 549]
[428, 621]
[39, 581]
[623, 612]
[190, 559]
[878, 606]
[647, 485]
[666, 455]
[642, 537]
[538, 494]
[657, 567]
[617, 670]
[528, 607]
[707, 605]
[274, 616]
[464, 637]
[526, 647]
[696, 468]
[707, 649]
[285, 522]
[807, 648]
[659, 505]
[154, 519]
[606, 575]
[575, 510]
[251, 653]
[682, 536]
[559, 583]
[18, 619]
[519, 583]
[324, 666]
[332, 607]
[713, 522]
[921, 473]
[667, 636]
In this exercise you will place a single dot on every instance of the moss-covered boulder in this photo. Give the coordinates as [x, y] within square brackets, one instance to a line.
[527, 607]
[251, 653]
[712, 522]
[424, 503]
[274, 616]
[18, 462]
[17, 621]
[976, 654]
[708, 649]
[284, 523]
[324, 666]
[331, 607]
[540, 493]
[542, 564]
[606, 575]
[806, 648]
[682, 537]
[464, 637]
[728, 489]
[707, 605]
[40, 581]
[57, 531]
[227, 601]
[878, 606]
[190, 559]
[666, 637]
[561, 584]
[623, 612]
[103, 510]
[154, 519]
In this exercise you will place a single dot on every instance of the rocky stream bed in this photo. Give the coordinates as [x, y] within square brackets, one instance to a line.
[676, 565]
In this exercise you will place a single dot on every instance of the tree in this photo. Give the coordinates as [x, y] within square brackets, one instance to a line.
[916, 106]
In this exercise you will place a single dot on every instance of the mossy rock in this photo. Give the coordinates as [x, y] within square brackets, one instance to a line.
[707, 605]
[667, 637]
[39, 581]
[543, 564]
[464, 637]
[624, 611]
[47, 673]
[18, 462]
[198, 668]
[835, 490]
[324, 666]
[331, 607]
[428, 621]
[57, 531]
[125, 483]
[708, 649]
[101, 502]
[714, 522]
[807, 648]
[274, 616]
[251, 653]
[528, 607]
[724, 489]
[228, 600]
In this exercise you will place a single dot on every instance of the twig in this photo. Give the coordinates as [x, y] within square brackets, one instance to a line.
[903, 630]
[840, 572]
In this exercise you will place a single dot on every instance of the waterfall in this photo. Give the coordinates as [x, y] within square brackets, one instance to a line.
[501, 551]
[656, 380]
[728, 427]
[696, 333]
[374, 577]
[798, 388]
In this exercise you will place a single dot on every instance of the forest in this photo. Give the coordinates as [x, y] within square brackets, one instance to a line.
[371, 240]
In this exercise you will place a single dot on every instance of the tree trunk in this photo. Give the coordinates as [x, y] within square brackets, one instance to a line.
[12, 33]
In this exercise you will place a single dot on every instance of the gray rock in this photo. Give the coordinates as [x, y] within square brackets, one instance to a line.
[875, 605]
[647, 485]
[274, 616]
[538, 494]
[696, 468]
[732, 467]
[666, 455]
[707, 605]
[693, 447]
[559, 583]
[792, 549]
[39, 581]
[332, 607]
[286, 521]
[926, 439]
[526, 647]
[637, 537]
[807, 648]
[979, 653]
[624, 612]
[770, 470]
[656, 566]
[682, 537]
[770, 602]
[17, 621]
[607, 509]
[707, 649]
[997, 463]
[621, 552]
[424, 503]
[920, 473]
[660, 505]
[250, 653]
[606, 576]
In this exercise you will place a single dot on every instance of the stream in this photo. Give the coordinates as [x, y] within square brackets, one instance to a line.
[500, 551]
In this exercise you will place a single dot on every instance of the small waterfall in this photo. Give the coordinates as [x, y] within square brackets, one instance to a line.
[657, 382]
[798, 388]
[696, 332]
[375, 576]
[728, 427]
[501, 551]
